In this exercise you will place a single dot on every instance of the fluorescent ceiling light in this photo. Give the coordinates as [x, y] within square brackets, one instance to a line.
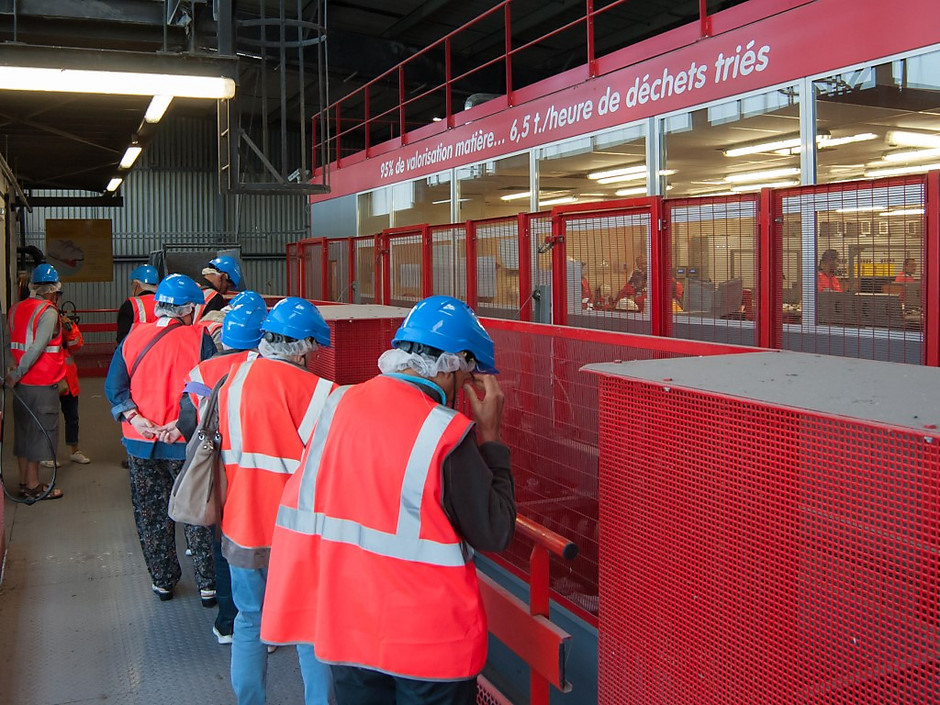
[905, 138]
[904, 211]
[632, 177]
[826, 142]
[157, 108]
[113, 184]
[130, 156]
[516, 196]
[599, 195]
[912, 155]
[23, 78]
[638, 191]
[758, 187]
[901, 170]
[784, 142]
[636, 169]
[558, 201]
[746, 176]
[447, 200]
[860, 209]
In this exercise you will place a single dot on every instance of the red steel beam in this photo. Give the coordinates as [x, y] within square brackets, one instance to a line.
[931, 272]
[525, 266]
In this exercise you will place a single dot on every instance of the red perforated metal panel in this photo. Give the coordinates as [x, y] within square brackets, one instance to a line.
[752, 553]
[355, 346]
[488, 695]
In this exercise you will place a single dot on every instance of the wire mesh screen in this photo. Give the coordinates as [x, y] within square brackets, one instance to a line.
[405, 269]
[853, 256]
[608, 270]
[338, 284]
[497, 245]
[312, 254]
[550, 423]
[713, 278]
[366, 259]
[540, 264]
[355, 346]
[753, 553]
[449, 257]
[487, 694]
[293, 269]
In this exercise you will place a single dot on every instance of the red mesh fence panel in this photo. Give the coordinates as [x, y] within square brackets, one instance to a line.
[852, 260]
[366, 259]
[754, 553]
[405, 269]
[497, 246]
[449, 243]
[713, 282]
[608, 270]
[550, 423]
[338, 285]
[312, 254]
[540, 266]
[355, 346]
[293, 269]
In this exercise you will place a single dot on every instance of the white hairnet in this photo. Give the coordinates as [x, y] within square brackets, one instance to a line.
[165, 310]
[286, 350]
[45, 289]
[427, 366]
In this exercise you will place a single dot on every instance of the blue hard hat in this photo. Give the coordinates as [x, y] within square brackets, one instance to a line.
[145, 274]
[248, 298]
[179, 289]
[241, 328]
[230, 266]
[45, 274]
[449, 325]
[297, 318]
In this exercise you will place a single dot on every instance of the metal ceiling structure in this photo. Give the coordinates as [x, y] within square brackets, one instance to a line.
[274, 50]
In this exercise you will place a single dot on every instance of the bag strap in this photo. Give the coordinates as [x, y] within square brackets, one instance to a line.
[153, 341]
[209, 419]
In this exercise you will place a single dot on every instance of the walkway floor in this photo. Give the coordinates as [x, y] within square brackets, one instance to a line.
[78, 623]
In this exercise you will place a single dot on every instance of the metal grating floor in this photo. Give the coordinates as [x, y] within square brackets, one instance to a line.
[78, 623]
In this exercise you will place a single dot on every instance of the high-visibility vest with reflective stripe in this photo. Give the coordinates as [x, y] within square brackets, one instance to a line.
[364, 562]
[74, 342]
[157, 383]
[49, 367]
[143, 308]
[267, 410]
[208, 294]
[208, 372]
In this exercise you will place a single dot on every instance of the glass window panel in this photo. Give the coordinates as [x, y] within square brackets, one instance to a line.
[495, 188]
[375, 209]
[422, 201]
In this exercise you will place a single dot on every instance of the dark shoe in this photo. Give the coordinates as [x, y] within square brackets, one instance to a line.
[163, 593]
[41, 491]
[207, 597]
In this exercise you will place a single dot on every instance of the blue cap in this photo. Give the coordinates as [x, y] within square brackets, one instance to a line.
[228, 265]
[449, 325]
[45, 274]
[241, 328]
[179, 289]
[297, 318]
[145, 274]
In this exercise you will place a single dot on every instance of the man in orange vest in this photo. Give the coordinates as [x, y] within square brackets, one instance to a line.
[267, 408]
[39, 357]
[139, 306]
[143, 385]
[371, 559]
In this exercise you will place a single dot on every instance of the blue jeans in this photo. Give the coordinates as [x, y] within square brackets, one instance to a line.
[250, 655]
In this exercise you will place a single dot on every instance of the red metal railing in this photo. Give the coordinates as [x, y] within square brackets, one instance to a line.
[396, 115]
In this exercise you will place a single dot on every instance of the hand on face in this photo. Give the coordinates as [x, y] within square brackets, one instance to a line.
[488, 411]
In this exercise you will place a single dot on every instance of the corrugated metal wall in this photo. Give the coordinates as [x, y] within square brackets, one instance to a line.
[171, 197]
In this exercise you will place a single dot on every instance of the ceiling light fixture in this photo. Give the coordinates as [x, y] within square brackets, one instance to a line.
[758, 187]
[29, 78]
[904, 211]
[784, 142]
[157, 108]
[113, 184]
[906, 138]
[912, 155]
[825, 142]
[901, 170]
[638, 191]
[516, 196]
[632, 177]
[636, 169]
[860, 209]
[558, 201]
[130, 156]
[747, 176]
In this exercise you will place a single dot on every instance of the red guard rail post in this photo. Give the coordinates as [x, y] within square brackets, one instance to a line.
[931, 271]
[526, 630]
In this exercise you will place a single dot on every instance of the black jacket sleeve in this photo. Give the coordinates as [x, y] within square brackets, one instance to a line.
[186, 423]
[479, 493]
[216, 303]
[125, 319]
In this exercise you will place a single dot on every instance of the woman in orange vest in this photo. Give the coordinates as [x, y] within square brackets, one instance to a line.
[39, 366]
[144, 383]
[826, 279]
[370, 560]
[267, 409]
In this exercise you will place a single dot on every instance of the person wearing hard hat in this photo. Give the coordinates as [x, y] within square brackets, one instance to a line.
[143, 385]
[267, 409]
[39, 366]
[241, 333]
[139, 306]
[223, 274]
[369, 559]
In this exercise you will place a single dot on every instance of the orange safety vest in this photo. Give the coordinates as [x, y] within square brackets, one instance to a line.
[49, 367]
[267, 410]
[209, 372]
[143, 307]
[365, 563]
[157, 383]
[208, 293]
[74, 341]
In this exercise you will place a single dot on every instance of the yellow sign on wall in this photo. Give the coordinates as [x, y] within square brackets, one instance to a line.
[80, 249]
